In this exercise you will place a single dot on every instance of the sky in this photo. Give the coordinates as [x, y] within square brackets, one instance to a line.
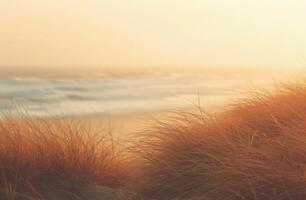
[143, 34]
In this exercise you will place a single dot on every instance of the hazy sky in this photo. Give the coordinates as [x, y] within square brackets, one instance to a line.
[153, 33]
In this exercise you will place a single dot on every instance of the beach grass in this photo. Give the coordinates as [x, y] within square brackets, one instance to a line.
[42, 157]
[253, 149]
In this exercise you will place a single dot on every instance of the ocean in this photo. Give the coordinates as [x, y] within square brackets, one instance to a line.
[123, 94]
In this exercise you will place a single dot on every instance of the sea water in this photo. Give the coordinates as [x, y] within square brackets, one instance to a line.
[122, 94]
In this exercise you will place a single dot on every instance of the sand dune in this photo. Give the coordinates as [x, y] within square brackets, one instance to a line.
[251, 150]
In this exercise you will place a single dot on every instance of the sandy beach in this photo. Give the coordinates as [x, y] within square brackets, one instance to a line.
[121, 125]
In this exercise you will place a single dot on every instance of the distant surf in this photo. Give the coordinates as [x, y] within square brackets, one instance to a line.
[139, 93]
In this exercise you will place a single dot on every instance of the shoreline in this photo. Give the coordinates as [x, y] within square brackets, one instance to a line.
[120, 125]
[123, 125]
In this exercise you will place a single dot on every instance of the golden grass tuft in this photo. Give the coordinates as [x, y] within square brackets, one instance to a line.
[43, 156]
[255, 150]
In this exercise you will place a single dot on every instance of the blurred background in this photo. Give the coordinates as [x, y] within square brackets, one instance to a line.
[87, 57]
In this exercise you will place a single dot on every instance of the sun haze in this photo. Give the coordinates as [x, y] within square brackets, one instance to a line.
[144, 34]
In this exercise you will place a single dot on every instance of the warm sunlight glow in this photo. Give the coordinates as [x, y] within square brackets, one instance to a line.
[153, 99]
[159, 33]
